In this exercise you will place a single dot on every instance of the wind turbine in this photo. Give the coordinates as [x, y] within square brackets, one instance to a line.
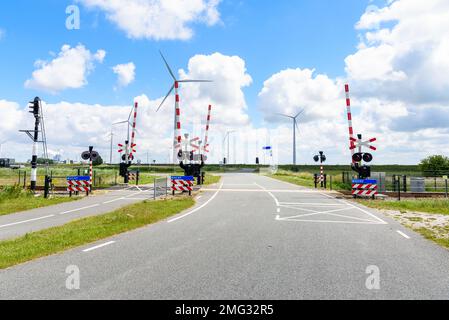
[131, 125]
[295, 126]
[177, 123]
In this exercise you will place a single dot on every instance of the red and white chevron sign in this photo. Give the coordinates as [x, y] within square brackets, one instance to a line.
[182, 185]
[366, 188]
[78, 186]
[367, 144]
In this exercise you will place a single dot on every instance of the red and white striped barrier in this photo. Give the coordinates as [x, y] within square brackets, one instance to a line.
[78, 186]
[351, 129]
[132, 176]
[182, 185]
[178, 138]
[364, 189]
[206, 138]
[133, 135]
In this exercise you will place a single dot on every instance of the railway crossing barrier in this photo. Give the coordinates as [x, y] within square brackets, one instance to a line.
[183, 184]
[79, 184]
[364, 188]
[321, 180]
[134, 176]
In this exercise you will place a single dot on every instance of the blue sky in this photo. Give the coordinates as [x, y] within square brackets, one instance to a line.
[312, 34]
[356, 41]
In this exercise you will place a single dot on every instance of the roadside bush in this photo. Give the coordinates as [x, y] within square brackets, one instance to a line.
[12, 192]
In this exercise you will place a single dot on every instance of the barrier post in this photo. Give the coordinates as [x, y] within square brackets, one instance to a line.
[445, 182]
[46, 187]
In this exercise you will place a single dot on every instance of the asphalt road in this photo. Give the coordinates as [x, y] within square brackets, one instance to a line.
[251, 238]
[18, 224]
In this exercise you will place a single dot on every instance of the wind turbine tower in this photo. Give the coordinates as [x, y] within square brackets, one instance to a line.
[177, 140]
[295, 126]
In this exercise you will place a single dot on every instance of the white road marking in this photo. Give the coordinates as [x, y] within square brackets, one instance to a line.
[269, 192]
[199, 208]
[25, 221]
[99, 246]
[403, 234]
[111, 201]
[360, 209]
[278, 210]
[330, 221]
[312, 204]
[80, 209]
[266, 190]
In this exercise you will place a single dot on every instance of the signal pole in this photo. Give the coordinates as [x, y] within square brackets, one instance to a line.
[35, 111]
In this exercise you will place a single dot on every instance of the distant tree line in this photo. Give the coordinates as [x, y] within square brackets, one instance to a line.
[436, 164]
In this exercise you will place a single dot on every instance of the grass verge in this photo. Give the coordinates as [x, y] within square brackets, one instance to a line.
[50, 241]
[211, 179]
[428, 217]
[301, 179]
[438, 206]
[14, 199]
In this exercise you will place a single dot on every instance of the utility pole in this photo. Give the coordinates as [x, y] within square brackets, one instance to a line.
[112, 142]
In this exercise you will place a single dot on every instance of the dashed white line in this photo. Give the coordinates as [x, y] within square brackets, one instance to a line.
[25, 221]
[99, 246]
[111, 201]
[199, 208]
[403, 234]
[80, 209]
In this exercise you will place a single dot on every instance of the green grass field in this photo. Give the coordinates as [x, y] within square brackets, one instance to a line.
[211, 179]
[304, 179]
[438, 206]
[14, 199]
[87, 230]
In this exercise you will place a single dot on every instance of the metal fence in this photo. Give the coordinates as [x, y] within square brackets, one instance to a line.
[405, 183]
[22, 178]
[160, 187]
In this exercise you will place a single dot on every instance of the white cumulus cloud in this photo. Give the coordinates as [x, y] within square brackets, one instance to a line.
[291, 90]
[158, 19]
[69, 70]
[225, 93]
[126, 73]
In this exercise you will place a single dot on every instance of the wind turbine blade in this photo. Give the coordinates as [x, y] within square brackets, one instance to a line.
[169, 93]
[300, 113]
[284, 115]
[130, 113]
[168, 67]
[187, 81]
[297, 127]
[126, 121]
